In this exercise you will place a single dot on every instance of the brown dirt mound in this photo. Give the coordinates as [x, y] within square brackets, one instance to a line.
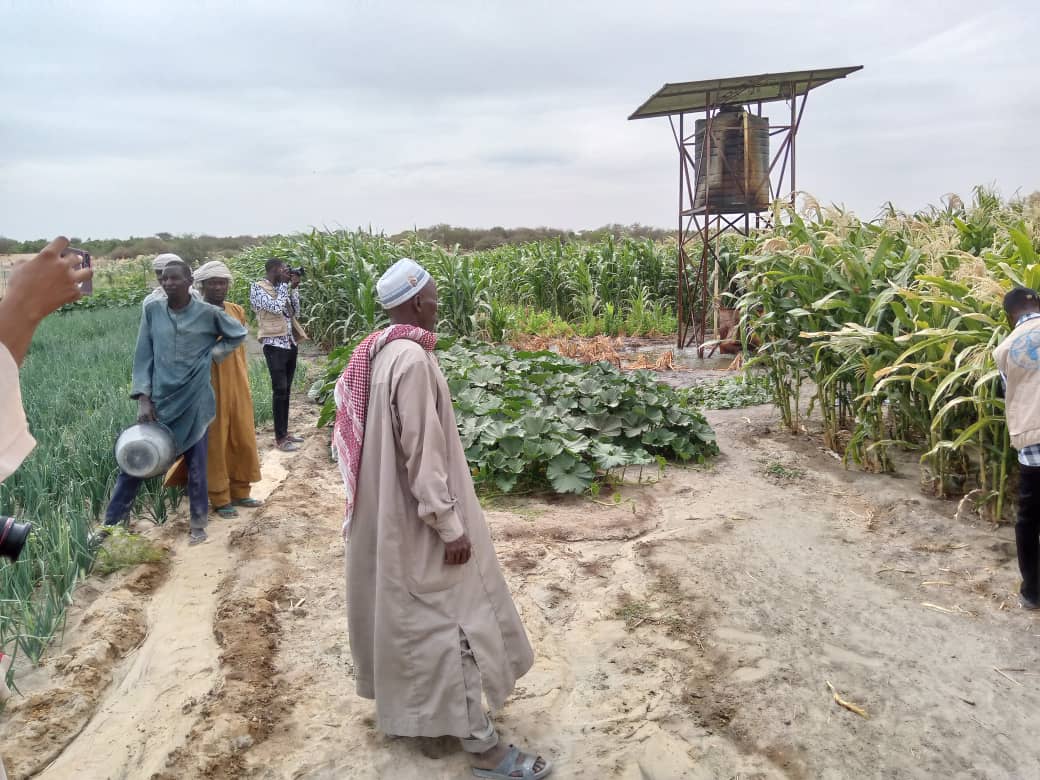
[108, 623]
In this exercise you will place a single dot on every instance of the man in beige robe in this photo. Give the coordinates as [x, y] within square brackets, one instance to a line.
[431, 620]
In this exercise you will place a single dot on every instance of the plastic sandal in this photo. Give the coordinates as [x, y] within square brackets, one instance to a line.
[227, 511]
[248, 503]
[516, 761]
[197, 538]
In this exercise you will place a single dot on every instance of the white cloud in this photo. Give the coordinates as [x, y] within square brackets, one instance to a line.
[266, 115]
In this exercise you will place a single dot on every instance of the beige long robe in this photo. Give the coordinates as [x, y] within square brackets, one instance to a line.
[405, 606]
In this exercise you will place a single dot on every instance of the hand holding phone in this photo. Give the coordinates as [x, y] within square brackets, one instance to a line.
[48, 281]
[86, 287]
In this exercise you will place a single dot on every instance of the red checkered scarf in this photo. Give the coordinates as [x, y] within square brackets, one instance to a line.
[352, 390]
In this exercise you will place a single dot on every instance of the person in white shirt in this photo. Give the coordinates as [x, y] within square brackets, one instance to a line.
[34, 290]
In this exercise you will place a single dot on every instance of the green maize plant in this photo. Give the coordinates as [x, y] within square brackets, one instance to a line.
[891, 326]
[570, 281]
[463, 300]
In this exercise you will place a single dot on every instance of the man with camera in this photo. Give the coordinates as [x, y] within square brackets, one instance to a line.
[276, 301]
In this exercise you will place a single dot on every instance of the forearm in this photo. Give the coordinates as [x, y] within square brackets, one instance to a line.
[423, 444]
[224, 348]
[16, 328]
[232, 334]
[437, 510]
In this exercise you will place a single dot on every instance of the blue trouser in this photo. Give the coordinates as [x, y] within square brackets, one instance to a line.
[126, 488]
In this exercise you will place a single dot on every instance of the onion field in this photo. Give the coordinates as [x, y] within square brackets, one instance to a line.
[75, 386]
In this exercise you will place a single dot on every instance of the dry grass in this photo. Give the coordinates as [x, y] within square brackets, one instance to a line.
[585, 350]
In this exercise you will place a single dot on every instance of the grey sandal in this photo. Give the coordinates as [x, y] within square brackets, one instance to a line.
[516, 761]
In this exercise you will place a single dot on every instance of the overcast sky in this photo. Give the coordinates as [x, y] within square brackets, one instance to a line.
[262, 116]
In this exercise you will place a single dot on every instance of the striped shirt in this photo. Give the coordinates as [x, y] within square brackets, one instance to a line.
[1029, 455]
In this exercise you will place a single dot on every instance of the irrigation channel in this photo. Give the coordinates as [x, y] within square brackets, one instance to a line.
[701, 627]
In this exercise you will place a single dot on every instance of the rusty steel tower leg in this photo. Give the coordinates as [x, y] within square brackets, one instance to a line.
[680, 282]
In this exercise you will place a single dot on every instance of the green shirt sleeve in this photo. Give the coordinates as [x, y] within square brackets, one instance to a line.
[144, 358]
[232, 334]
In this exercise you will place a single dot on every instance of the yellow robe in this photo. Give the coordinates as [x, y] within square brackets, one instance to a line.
[233, 461]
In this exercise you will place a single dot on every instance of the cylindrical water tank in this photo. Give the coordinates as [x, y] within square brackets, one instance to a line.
[733, 171]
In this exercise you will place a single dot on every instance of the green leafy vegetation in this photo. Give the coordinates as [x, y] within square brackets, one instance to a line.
[538, 421]
[890, 326]
[749, 389]
[613, 281]
[75, 387]
[782, 473]
[615, 286]
[123, 550]
[195, 248]
[192, 248]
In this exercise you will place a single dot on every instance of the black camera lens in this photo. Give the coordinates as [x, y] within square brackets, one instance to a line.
[13, 536]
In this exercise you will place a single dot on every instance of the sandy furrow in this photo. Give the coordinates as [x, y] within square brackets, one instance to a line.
[149, 709]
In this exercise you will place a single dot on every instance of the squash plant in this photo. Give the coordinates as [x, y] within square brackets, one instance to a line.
[536, 420]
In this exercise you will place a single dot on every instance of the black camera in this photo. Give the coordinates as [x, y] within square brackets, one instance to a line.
[12, 537]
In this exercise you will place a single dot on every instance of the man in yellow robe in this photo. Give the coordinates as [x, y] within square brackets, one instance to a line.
[233, 462]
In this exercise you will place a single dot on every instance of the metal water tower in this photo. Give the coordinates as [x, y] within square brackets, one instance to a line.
[727, 179]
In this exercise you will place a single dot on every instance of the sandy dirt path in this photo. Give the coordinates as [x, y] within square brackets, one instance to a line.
[687, 631]
[146, 713]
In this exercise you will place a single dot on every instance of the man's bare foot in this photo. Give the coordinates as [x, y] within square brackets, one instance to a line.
[490, 760]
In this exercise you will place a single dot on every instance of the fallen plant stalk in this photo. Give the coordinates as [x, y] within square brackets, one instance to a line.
[1007, 677]
[847, 704]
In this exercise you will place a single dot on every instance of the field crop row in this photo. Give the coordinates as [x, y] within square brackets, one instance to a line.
[615, 286]
[892, 324]
[75, 386]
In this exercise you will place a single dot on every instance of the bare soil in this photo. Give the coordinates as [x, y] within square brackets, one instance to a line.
[685, 629]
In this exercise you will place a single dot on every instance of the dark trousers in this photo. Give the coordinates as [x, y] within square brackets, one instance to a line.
[1027, 530]
[126, 488]
[282, 365]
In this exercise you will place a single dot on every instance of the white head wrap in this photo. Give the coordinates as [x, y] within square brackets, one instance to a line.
[214, 269]
[401, 282]
[161, 261]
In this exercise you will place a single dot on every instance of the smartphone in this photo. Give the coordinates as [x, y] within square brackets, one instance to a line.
[86, 287]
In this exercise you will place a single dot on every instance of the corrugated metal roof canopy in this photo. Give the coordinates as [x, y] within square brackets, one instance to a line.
[689, 96]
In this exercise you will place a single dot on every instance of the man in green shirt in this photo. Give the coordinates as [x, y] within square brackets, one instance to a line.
[179, 340]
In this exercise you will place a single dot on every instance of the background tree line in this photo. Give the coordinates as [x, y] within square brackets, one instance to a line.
[195, 248]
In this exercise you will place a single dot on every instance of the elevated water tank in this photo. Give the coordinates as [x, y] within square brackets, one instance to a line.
[734, 176]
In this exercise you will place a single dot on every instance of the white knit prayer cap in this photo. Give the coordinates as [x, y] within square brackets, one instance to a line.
[401, 282]
[161, 261]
